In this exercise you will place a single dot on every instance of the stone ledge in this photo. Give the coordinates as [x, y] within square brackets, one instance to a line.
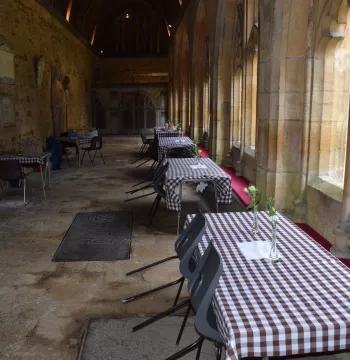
[250, 152]
[329, 189]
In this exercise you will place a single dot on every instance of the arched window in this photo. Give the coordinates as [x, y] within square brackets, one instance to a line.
[335, 108]
[251, 92]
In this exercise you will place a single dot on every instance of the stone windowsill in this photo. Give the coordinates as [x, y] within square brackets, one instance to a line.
[250, 151]
[236, 144]
[328, 187]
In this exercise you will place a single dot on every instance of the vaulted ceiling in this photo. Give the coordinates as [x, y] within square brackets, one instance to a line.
[120, 23]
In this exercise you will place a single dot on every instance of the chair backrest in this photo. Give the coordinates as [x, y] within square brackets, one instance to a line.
[201, 288]
[96, 143]
[32, 147]
[10, 170]
[160, 179]
[187, 243]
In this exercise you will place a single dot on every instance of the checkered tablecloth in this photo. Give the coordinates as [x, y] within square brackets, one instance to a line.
[165, 143]
[79, 140]
[180, 171]
[300, 305]
[27, 160]
[159, 133]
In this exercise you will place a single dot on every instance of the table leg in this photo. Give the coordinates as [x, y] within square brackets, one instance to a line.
[78, 149]
[179, 212]
[42, 180]
[216, 197]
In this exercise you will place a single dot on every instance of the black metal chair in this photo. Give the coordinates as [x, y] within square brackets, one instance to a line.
[146, 143]
[201, 287]
[185, 247]
[151, 179]
[159, 179]
[11, 171]
[96, 145]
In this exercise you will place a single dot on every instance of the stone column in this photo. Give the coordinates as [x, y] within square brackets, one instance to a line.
[341, 248]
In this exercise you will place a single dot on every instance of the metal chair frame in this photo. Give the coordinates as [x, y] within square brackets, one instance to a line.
[94, 147]
[185, 247]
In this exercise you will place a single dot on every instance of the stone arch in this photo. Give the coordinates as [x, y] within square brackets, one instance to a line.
[226, 28]
[201, 32]
[330, 94]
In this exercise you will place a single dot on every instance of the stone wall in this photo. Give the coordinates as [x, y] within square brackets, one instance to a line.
[33, 33]
[133, 71]
[291, 95]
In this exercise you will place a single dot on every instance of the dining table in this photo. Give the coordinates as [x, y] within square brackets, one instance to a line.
[168, 143]
[163, 132]
[41, 160]
[195, 170]
[75, 141]
[299, 305]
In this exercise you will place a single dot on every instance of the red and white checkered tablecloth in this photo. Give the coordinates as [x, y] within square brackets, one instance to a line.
[300, 305]
[77, 140]
[166, 133]
[26, 159]
[165, 143]
[180, 171]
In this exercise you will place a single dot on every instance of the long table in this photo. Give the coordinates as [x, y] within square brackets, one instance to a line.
[300, 305]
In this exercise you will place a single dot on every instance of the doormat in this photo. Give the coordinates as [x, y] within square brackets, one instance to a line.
[97, 236]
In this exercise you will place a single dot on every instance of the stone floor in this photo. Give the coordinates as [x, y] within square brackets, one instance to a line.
[45, 306]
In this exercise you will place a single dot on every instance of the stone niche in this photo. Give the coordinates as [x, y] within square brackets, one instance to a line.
[7, 66]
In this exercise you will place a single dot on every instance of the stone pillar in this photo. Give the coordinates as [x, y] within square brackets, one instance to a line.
[198, 112]
[341, 248]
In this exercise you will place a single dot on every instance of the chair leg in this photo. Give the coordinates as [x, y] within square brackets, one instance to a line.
[142, 182]
[141, 188]
[158, 200]
[91, 158]
[82, 159]
[70, 165]
[186, 350]
[138, 197]
[42, 181]
[151, 265]
[183, 324]
[158, 316]
[143, 163]
[139, 296]
[103, 158]
[24, 189]
[179, 292]
[218, 352]
[199, 349]
[153, 204]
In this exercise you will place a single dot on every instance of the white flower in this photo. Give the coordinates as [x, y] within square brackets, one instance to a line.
[246, 190]
[252, 188]
[274, 219]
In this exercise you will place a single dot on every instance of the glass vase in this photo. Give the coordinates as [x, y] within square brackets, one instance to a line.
[255, 228]
[273, 257]
[198, 160]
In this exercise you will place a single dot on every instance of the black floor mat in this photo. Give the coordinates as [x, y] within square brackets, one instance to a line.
[97, 236]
